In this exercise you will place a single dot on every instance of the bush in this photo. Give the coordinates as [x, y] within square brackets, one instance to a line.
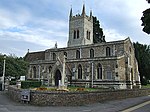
[42, 88]
[80, 89]
[30, 84]
[144, 82]
[12, 83]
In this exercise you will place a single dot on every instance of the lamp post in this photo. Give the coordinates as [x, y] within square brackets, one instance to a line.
[3, 77]
[92, 75]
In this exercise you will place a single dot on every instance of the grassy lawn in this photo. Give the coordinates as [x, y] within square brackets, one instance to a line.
[146, 86]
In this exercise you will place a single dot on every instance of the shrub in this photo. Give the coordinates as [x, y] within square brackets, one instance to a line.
[144, 81]
[30, 84]
[41, 88]
[80, 89]
[12, 83]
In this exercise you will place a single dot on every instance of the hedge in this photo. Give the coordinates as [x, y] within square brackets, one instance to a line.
[30, 84]
[12, 83]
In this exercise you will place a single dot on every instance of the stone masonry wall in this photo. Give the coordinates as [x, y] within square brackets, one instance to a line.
[59, 98]
[14, 93]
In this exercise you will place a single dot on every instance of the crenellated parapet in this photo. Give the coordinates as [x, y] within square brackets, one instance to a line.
[82, 15]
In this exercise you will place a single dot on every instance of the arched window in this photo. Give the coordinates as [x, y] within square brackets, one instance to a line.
[79, 72]
[54, 56]
[130, 49]
[91, 53]
[99, 71]
[49, 69]
[74, 36]
[108, 51]
[87, 34]
[65, 53]
[34, 72]
[77, 33]
[108, 73]
[77, 54]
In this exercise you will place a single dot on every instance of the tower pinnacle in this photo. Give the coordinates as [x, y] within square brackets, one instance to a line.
[83, 10]
[91, 14]
[70, 12]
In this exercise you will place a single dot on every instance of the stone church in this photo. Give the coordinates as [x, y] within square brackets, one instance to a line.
[88, 63]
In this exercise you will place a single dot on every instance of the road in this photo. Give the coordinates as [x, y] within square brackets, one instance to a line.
[134, 104]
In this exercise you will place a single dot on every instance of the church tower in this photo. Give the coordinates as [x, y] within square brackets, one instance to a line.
[80, 29]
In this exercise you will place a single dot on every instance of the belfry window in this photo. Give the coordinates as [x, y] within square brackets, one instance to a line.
[88, 35]
[74, 36]
[77, 34]
[79, 72]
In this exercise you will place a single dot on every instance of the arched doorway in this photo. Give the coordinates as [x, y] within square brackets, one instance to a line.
[57, 77]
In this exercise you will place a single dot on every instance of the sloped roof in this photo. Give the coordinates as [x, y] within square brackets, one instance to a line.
[34, 56]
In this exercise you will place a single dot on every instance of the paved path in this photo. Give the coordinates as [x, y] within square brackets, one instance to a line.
[142, 107]
[7, 105]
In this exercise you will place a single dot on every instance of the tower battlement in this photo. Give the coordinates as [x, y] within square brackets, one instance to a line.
[78, 16]
[83, 14]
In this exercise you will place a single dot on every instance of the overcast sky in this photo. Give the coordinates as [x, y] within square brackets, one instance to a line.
[38, 24]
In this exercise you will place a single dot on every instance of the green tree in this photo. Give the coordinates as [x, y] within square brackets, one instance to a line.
[142, 54]
[98, 35]
[15, 66]
[1, 70]
[148, 1]
[146, 20]
[1, 65]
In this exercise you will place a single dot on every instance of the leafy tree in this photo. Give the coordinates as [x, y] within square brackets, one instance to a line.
[98, 35]
[142, 54]
[1, 66]
[15, 66]
[146, 20]
[1, 70]
[148, 1]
